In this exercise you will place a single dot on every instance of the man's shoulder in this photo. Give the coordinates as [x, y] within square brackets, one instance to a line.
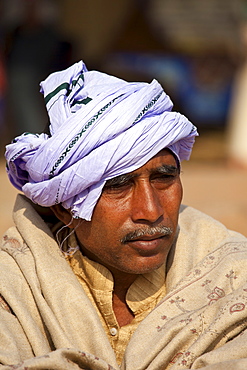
[198, 224]
[200, 234]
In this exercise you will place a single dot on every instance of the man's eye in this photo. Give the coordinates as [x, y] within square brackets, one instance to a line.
[163, 180]
[116, 187]
[163, 177]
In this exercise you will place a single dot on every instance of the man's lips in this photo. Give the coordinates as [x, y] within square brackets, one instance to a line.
[147, 237]
[147, 234]
[148, 241]
[150, 244]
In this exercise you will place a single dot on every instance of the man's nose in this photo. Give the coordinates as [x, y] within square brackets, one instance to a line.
[146, 204]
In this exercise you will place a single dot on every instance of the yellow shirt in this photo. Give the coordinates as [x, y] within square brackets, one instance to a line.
[142, 296]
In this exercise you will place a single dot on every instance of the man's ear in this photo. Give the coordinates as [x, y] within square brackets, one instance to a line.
[63, 215]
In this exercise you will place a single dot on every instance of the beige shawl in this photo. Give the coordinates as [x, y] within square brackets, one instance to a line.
[47, 321]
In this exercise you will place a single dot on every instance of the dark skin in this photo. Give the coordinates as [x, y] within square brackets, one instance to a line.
[133, 225]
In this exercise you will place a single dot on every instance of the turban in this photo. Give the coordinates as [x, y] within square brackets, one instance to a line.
[100, 127]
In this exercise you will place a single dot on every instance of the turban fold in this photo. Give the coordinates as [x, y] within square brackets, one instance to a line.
[100, 127]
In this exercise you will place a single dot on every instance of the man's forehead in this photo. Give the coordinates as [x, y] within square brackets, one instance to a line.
[162, 159]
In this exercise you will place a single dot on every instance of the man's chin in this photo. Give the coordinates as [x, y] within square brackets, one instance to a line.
[144, 267]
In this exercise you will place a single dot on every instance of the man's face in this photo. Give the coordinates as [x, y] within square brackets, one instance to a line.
[135, 220]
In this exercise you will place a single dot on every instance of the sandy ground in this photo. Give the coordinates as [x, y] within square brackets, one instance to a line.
[210, 185]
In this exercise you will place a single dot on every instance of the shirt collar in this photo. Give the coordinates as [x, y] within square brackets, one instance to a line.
[145, 289]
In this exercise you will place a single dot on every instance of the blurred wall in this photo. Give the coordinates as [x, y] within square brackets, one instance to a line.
[195, 66]
[94, 25]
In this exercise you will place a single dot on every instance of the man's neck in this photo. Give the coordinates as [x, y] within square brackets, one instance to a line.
[122, 282]
[123, 313]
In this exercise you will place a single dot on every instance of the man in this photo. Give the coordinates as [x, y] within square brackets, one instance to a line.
[129, 277]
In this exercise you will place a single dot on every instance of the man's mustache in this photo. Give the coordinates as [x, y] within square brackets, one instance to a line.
[148, 231]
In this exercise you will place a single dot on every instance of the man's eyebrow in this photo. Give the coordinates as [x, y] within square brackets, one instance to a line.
[167, 169]
[122, 179]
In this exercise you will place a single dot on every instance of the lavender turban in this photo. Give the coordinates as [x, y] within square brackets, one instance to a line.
[101, 127]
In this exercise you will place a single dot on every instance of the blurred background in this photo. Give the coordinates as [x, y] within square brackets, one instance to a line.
[196, 49]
